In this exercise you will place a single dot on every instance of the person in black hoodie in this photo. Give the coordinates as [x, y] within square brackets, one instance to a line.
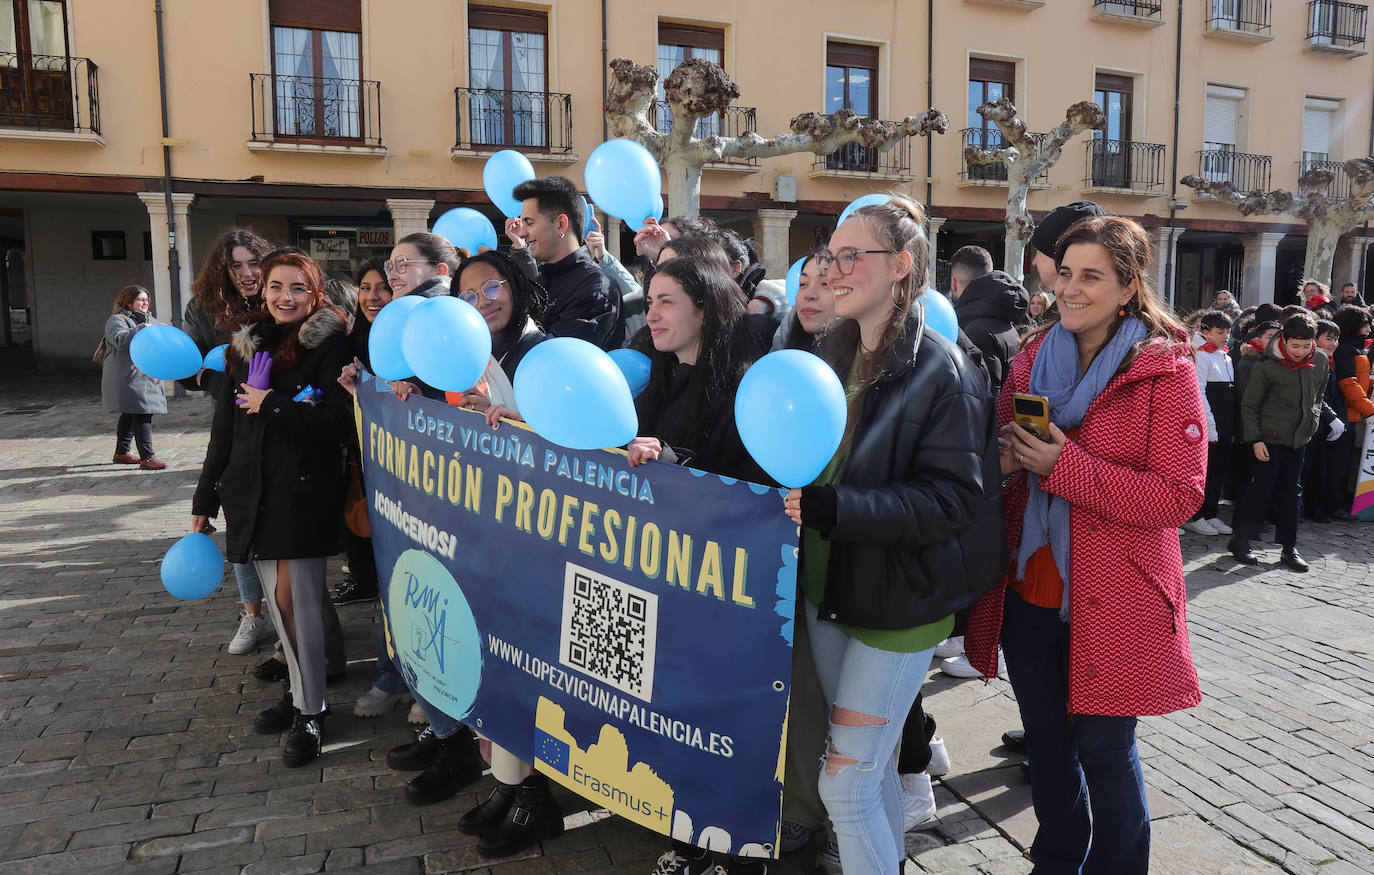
[989, 304]
[275, 465]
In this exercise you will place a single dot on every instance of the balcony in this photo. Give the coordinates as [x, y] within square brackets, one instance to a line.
[535, 123]
[1244, 20]
[992, 174]
[854, 160]
[1125, 167]
[49, 97]
[1023, 4]
[1244, 172]
[1141, 13]
[730, 122]
[315, 114]
[1339, 189]
[1336, 28]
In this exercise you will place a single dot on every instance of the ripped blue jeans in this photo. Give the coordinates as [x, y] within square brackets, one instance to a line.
[871, 691]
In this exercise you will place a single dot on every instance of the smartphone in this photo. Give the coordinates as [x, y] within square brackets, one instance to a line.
[1032, 412]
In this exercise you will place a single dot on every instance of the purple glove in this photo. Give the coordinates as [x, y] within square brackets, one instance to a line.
[259, 373]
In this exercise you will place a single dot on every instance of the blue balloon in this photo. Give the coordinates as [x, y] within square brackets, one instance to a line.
[384, 339]
[636, 367]
[214, 359]
[446, 343]
[467, 229]
[790, 410]
[571, 392]
[867, 200]
[940, 316]
[193, 567]
[622, 178]
[794, 280]
[500, 175]
[165, 352]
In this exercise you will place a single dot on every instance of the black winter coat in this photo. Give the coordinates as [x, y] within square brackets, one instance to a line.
[279, 474]
[989, 311]
[918, 513]
[581, 303]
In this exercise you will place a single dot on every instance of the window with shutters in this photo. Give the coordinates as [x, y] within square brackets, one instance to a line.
[682, 42]
[508, 76]
[317, 83]
[851, 82]
[1318, 122]
[988, 81]
[1221, 132]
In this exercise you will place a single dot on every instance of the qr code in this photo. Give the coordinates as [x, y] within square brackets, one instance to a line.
[609, 631]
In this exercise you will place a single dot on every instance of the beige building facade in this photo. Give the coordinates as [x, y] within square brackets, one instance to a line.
[337, 125]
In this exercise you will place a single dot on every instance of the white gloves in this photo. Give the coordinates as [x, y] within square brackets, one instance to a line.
[1337, 428]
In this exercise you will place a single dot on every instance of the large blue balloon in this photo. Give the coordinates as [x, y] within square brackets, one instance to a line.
[214, 359]
[165, 352]
[446, 343]
[636, 367]
[790, 410]
[500, 175]
[467, 229]
[867, 200]
[623, 179]
[571, 392]
[940, 316]
[193, 567]
[794, 280]
[384, 339]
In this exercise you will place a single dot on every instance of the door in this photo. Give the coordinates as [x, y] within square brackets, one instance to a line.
[851, 82]
[508, 77]
[1111, 158]
[35, 67]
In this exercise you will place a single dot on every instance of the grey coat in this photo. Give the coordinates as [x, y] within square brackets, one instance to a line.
[122, 389]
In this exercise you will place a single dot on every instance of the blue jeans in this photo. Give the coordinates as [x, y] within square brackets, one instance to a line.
[250, 587]
[862, 792]
[389, 678]
[1086, 783]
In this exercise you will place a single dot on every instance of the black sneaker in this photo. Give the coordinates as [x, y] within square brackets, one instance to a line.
[1014, 740]
[350, 591]
[278, 718]
[534, 815]
[303, 741]
[1293, 561]
[456, 764]
[272, 669]
[417, 755]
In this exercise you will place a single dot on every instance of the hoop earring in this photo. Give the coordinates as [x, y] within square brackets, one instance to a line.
[894, 293]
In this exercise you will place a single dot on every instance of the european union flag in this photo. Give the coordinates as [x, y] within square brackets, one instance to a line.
[551, 750]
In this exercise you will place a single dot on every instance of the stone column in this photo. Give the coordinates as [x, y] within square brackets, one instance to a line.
[934, 223]
[1261, 256]
[611, 228]
[1165, 243]
[409, 215]
[1346, 267]
[773, 233]
[156, 204]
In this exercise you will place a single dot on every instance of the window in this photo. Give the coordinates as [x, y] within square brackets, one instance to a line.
[988, 81]
[1111, 154]
[508, 75]
[678, 43]
[1318, 117]
[35, 70]
[851, 82]
[317, 69]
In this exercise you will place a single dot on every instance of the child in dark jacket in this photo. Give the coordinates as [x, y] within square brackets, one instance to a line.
[1321, 496]
[1280, 412]
[1216, 378]
[1350, 373]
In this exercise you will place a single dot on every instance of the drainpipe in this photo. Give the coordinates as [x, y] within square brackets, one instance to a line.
[1173, 173]
[1364, 250]
[173, 260]
[605, 81]
[930, 94]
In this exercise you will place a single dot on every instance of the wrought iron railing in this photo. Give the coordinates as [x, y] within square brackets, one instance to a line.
[1125, 164]
[729, 122]
[311, 109]
[1245, 16]
[52, 92]
[1339, 187]
[534, 121]
[1336, 24]
[854, 158]
[1138, 8]
[991, 138]
[1244, 172]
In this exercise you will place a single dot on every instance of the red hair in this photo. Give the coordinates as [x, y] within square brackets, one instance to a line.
[289, 350]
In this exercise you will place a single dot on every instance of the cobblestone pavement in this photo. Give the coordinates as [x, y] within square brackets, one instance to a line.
[126, 741]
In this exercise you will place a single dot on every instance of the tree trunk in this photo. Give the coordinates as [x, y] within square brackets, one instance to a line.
[684, 183]
[1017, 223]
[1322, 238]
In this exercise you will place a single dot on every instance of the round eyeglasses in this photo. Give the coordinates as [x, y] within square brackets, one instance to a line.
[491, 290]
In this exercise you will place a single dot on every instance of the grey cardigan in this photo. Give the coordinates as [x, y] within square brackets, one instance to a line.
[123, 389]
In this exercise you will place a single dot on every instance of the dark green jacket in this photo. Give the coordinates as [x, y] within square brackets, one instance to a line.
[1283, 406]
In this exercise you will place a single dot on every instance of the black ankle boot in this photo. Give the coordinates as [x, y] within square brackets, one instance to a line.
[490, 812]
[277, 718]
[456, 764]
[534, 814]
[303, 741]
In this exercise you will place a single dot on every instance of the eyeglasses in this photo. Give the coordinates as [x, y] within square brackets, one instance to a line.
[399, 266]
[845, 260]
[491, 290]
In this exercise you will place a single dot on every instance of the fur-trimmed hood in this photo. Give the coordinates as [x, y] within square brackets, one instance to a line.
[318, 327]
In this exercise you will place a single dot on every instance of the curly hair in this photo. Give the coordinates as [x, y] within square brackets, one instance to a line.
[214, 286]
[528, 298]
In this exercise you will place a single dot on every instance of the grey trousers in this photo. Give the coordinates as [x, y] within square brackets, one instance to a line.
[808, 723]
[305, 663]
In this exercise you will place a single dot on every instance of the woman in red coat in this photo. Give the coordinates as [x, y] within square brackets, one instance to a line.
[1091, 617]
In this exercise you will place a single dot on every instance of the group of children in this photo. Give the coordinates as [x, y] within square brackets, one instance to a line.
[1281, 388]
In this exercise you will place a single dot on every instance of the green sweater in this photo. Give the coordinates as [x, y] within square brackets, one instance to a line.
[1281, 405]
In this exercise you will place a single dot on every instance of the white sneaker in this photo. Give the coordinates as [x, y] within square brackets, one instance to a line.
[1221, 527]
[375, 703]
[939, 758]
[953, 646]
[1200, 526]
[918, 802]
[251, 631]
[960, 667]
[828, 860]
[417, 716]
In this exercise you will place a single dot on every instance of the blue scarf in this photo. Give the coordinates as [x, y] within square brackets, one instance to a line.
[1054, 374]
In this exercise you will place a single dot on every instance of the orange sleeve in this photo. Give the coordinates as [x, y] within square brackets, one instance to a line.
[1356, 401]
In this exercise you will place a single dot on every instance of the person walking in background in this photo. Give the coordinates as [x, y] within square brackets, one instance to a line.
[125, 390]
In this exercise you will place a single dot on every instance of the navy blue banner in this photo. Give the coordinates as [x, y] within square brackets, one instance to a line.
[628, 631]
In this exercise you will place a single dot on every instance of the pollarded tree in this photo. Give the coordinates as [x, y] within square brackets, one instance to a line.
[1026, 156]
[699, 89]
[1327, 217]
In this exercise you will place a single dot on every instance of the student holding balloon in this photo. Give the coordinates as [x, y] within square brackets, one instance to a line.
[421, 264]
[125, 390]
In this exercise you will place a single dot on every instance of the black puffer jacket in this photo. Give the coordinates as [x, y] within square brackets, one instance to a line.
[279, 474]
[989, 311]
[918, 518]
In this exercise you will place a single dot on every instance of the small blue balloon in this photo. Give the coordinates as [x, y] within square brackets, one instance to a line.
[571, 392]
[384, 340]
[940, 316]
[446, 343]
[500, 175]
[794, 280]
[193, 567]
[790, 410]
[636, 367]
[623, 179]
[165, 352]
[867, 200]
[467, 229]
[588, 218]
[214, 359]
